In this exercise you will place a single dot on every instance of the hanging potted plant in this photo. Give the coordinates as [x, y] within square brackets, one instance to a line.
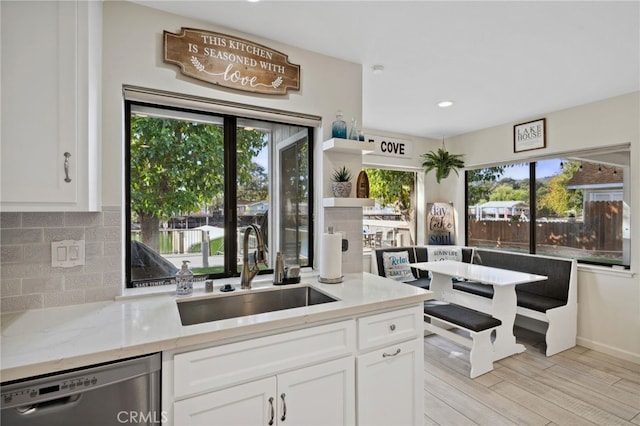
[443, 162]
[341, 185]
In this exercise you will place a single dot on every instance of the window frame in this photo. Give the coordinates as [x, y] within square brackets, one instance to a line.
[230, 178]
[533, 199]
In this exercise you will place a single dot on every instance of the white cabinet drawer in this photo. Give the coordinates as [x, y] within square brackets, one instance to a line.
[389, 327]
[221, 366]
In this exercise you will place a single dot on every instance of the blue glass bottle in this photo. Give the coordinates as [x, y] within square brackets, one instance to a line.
[339, 127]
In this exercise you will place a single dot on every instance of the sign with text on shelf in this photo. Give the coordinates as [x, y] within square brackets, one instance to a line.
[231, 62]
[393, 147]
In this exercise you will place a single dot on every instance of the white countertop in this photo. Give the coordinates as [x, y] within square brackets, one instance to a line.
[54, 339]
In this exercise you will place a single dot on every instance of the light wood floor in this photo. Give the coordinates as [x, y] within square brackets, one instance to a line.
[576, 387]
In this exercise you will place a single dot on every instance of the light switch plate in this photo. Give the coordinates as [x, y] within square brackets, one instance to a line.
[67, 253]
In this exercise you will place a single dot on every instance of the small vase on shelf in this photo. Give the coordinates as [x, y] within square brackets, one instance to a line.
[341, 189]
[339, 127]
[353, 132]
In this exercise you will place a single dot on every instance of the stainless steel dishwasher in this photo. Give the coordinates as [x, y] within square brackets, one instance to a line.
[115, 393]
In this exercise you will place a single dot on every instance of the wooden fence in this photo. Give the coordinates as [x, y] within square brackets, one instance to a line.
[601, 230]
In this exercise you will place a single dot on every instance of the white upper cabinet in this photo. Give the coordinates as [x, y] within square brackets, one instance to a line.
[51, 79]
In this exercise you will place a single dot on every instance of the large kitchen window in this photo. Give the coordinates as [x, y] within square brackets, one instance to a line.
[196, 180]
[574, 206]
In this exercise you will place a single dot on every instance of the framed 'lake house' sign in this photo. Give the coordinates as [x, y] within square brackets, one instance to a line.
[231, 62]
[530, 135]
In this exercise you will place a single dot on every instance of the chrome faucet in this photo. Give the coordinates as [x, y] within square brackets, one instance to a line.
[259, 257]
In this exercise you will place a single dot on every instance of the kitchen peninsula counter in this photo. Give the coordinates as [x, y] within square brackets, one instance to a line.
[48, 340]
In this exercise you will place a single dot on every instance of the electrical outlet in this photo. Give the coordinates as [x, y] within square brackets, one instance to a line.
[67, 253]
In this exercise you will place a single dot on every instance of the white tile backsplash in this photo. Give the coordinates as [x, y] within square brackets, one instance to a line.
[28, 281]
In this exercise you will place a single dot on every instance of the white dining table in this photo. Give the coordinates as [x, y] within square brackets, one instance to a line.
[503, 304]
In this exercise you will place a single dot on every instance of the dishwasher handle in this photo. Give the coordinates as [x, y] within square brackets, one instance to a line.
[58, 404]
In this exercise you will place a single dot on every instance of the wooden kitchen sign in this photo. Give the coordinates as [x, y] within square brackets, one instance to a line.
[231, 62]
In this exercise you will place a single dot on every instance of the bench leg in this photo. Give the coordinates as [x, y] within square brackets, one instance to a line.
[562, 330]
[481, 356]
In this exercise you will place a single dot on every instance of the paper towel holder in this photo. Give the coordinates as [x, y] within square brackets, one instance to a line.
[330, 280]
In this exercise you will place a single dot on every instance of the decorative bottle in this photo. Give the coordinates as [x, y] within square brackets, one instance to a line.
[339, 127]
[353, 132]
[184, 280]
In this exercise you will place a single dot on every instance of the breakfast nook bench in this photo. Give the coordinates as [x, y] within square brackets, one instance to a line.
[442, 317]
[549, 307]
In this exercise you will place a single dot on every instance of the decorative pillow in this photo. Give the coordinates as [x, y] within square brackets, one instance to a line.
[437, 253]
[396, 266]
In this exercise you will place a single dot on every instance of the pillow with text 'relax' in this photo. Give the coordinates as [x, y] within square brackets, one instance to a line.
[396, 266]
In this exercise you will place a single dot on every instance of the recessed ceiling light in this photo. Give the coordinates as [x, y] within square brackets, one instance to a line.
[445, 104]
[253, 1]
[377, 69]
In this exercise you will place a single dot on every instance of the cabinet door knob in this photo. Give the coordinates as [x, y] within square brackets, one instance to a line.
[284, 407]
[273, 412]
[66, 167]
[392, 327]
[385, 354]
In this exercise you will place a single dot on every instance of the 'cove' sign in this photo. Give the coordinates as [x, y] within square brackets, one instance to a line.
[231, 62]
[391, 146]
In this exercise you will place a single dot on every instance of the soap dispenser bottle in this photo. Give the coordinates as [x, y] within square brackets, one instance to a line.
[184, 280]
[278, 272]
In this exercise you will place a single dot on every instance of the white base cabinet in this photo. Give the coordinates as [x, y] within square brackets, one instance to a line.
[390, 368]
[248, 404]
[388, 391]
[365, 370]
[320, 395]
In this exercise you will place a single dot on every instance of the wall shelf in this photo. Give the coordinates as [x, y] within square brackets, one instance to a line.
[347, 146]
[348, 202]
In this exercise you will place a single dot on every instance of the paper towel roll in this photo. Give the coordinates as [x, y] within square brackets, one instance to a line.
[330, 260]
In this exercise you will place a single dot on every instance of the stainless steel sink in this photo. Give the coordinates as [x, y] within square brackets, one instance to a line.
[249, 303]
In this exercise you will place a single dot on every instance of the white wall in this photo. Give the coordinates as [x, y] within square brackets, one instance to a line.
[133, 56]
[609, 301]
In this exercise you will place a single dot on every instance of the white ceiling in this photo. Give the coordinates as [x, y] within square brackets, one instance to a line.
[500, 61]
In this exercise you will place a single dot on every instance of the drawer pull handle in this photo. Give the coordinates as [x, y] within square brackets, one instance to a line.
[66, 167]
[384, 354]
[284, 408]
[273, 412]
[392, 327]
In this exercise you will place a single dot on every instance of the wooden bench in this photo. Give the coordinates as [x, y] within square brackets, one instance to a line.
[442, 317]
